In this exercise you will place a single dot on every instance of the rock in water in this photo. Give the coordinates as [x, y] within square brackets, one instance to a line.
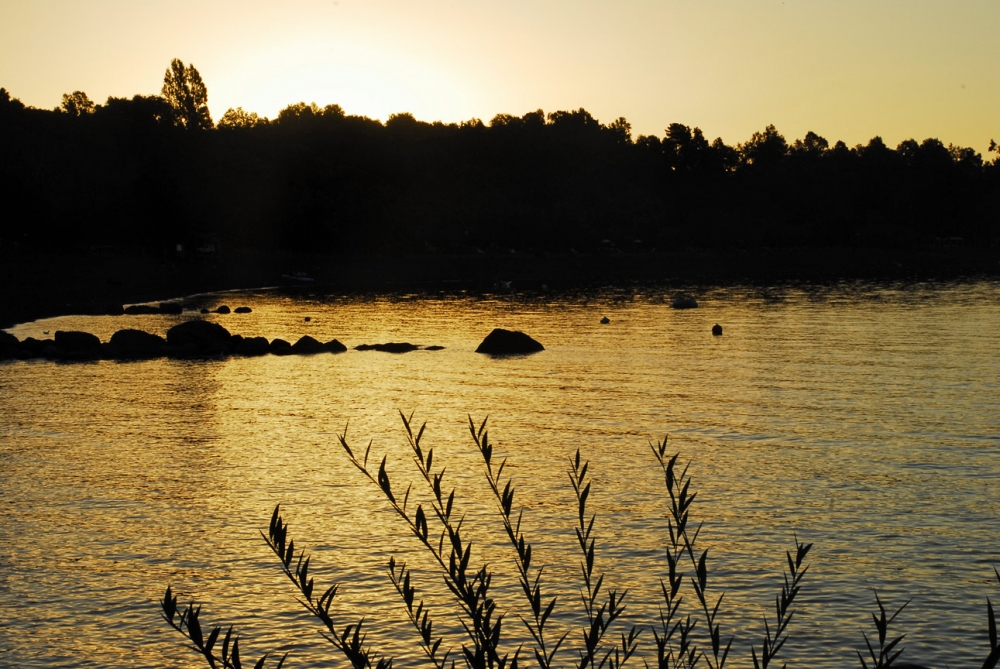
[684, 302]
[32, 348]
[135, 345]
[77, 345]
[280, 347]
[334, 346]
[396, 347]
[717, 330]
[389, 347]
[141, 309]
[307, 345]
[199, 337]
[508, 342]
[253, 346]
[242, 310]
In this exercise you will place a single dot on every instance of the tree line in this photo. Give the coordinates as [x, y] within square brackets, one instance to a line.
[152, 172]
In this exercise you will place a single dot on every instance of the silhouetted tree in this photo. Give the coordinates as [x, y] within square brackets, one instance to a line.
[142, 110]
[577, 123]
[621, 129]
[184, 90]
[8, 105]
[876, 151]
[995, 148]
[298, 111]
[764, 150]
[727, 157]
[811, 145]
[684, 149]
[318, 179]
[77, 103]
[965, 156]
[238, 118]
[401, 120]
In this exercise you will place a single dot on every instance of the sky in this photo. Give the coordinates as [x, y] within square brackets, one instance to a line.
[845, 69]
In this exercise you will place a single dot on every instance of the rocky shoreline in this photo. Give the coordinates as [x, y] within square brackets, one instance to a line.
[201, 340]
[190, 340]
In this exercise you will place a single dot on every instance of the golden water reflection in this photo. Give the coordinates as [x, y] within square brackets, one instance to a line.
[864, 418]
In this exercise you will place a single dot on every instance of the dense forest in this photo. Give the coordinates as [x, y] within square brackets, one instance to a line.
[152, 172]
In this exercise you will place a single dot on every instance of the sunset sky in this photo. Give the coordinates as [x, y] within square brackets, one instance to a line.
[846, 69]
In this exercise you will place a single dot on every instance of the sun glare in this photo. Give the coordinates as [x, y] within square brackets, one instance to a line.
[362, 81]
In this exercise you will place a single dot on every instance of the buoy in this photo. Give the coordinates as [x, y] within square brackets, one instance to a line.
[717, 330]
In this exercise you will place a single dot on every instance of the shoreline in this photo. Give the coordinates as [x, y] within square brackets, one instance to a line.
[37, 285]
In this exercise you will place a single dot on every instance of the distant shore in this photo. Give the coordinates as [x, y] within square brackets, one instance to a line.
[44, 285]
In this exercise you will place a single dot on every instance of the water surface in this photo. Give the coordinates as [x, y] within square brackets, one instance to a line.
[864, 418]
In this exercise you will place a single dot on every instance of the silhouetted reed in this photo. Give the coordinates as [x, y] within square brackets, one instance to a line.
[685, 634]
[188, 623]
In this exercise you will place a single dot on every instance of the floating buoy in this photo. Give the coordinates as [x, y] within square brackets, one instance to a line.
[717, 330]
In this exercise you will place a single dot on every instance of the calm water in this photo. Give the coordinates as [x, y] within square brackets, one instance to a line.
[866, 419]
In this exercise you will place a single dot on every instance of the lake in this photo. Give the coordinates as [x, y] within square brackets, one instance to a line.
[863, 418]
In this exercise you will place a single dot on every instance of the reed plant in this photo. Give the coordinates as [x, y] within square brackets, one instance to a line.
[686, 634]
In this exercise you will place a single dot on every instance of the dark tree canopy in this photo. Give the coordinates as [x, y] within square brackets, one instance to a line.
[317, 179]
[77, 103]
[238, 118]
[184, 90]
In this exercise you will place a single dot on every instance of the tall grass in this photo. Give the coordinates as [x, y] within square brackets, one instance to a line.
[688, 632]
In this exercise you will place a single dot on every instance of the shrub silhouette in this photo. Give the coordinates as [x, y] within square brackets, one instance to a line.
[685, 635]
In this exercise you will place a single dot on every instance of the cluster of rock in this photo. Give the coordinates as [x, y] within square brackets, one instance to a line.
[191, 339]
[171, 308]
[203, 339]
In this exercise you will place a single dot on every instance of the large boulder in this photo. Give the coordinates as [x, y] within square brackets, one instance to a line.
[199, 338]
[280, 347]
[306, 345]
[135, 345]
[508, 342]
[74, 345]
[222, 309]
[242, 310]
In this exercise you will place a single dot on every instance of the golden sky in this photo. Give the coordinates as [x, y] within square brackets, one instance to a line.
[846, 69]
